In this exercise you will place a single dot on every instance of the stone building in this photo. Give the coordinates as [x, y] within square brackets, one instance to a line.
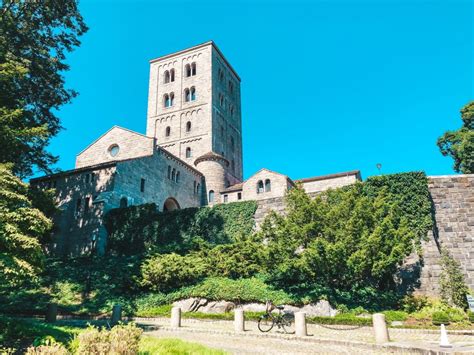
[191, 154]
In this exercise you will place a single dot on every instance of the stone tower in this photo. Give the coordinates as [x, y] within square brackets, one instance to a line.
[194, 112]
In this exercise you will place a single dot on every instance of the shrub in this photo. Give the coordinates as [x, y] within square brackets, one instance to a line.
[453, 288]
[124, 339]
[470, 315]
[94, 341]
[412, 303]
[170, 271]
[55, 349]
[439, 318]
[391, 316]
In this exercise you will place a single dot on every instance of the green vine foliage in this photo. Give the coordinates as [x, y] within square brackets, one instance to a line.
[147, 230]
[453, 288]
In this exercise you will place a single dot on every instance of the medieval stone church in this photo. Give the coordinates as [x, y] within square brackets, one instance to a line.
[190, 156]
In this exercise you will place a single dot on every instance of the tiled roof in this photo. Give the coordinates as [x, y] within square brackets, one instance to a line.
[331, 176]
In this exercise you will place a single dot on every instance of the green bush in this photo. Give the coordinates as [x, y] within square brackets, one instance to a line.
[391, 316]
[345, 319]
[178, 231]
[439, 318]
[149, 345]
[165, 272]
[470, 315]
[121, 339]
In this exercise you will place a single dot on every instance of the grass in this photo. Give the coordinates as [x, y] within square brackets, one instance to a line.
[149, 345]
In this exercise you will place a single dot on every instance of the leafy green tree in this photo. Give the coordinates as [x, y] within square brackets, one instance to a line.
[34, 39]
[459, 144]
[453, 288]
[21, 228]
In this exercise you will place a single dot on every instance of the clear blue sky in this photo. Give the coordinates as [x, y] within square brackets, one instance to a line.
[327, 86]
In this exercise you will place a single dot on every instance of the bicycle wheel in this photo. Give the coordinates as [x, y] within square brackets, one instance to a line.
[265, 323]
[288, 323]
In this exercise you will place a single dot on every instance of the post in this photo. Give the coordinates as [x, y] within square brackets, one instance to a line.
[51, 313]
[116, 314]
[380, 328]
[176, 317]
[239, 320]
[300, 324]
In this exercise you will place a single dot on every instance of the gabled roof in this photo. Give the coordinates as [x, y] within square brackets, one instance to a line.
[239, 186]
[110, 129]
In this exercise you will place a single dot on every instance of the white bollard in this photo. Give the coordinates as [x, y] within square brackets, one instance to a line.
[380, 328]
[300, 324]
[239, 320]
[176, 317]
[444, 341]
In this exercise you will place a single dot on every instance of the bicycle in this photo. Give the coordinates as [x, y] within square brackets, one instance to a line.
[283, 321]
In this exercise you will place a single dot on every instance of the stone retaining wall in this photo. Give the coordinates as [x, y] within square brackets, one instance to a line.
[453, 203]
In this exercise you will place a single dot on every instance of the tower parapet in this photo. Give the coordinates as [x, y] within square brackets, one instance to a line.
[214, 168]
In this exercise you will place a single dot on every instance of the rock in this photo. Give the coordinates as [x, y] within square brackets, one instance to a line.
[254, 307]
[190, 304]
[218, 307]
[320, 309]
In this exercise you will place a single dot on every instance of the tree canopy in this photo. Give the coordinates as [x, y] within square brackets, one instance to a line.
[459, 144]
[34, 39]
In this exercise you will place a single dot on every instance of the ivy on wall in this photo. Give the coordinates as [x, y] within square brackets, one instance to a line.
[140, 229]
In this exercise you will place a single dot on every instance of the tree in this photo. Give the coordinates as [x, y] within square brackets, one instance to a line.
[21, 228]
[459, 144]
[34, 38]
[453, 288]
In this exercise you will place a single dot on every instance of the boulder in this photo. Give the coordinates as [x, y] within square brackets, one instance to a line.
[190, 304]
[254, 307]
[217, 307]
[320, 309]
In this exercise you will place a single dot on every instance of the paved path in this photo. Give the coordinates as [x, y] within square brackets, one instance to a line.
[322, 340]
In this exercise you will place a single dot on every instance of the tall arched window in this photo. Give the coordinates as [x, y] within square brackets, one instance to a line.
[188, 126]
[123, 202]
[167, 77]
[211, 196]
[187, 70]
[169, 172]
[194, 187]
[268, 185]
[259, 186]
[172, 99]
[232, 110]
[173, 175]
[168, 131]
[193, 69]
[232, 144]
[188, 152]
[193, 94]
[187, 95]
[221, 100]
[231, 87]
[198, 188]
[172, 75]
[166, 100]
[177, 176]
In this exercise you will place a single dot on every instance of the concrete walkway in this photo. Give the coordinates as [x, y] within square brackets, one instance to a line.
[321, 339]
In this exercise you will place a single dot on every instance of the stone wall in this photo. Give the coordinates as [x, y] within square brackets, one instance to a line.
[453, 201]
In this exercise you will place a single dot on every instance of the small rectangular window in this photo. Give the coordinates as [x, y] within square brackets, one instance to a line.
[142, 185]
[226, 198]
[87, 201]
[239, 196]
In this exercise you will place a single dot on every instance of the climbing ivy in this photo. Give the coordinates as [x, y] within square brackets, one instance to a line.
[139, 229]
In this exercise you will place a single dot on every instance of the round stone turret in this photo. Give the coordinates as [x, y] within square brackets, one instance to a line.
[214, 167]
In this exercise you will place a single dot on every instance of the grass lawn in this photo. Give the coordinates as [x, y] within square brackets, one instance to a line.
[149, 345]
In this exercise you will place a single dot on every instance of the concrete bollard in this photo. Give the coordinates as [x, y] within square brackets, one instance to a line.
[300, 324]
[116, 314]
[239, 320]
[51, 313]
[176, 317]
[380, 328]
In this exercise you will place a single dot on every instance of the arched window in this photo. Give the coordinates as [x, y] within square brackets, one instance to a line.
[211, 196]
[173, 175]
[187, 70]
[268, 185]
[232, 109]
[188, 126]
[169, 172]
[166, 100]
[194, 187]
[168, 131]
[221, 100]
[220, 74]
[172, 99]
[231, 87]
[188, 152]
[198, 188]
[172, 75]
[187, 95]
[167, 77]
[232, 144]
[193, 94]
[193, 69]
[177, 176]
[260, 186]
[123, 202]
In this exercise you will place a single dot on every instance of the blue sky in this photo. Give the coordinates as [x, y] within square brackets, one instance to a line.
[327, 86]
